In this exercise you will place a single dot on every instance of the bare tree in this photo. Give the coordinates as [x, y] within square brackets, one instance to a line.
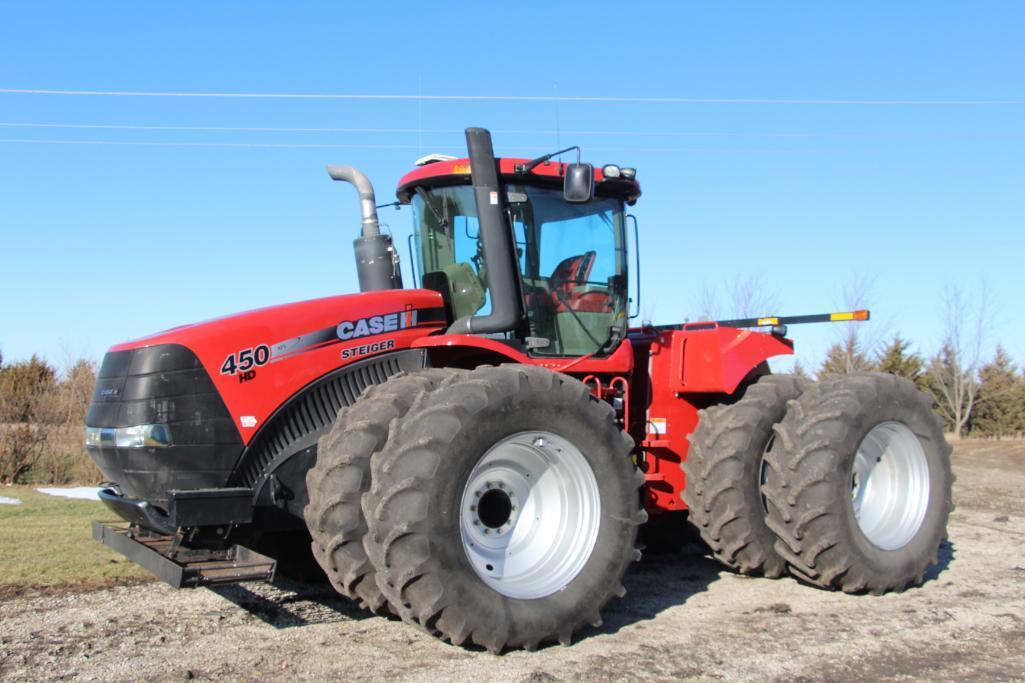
[854, 346]
[744, 296]
[953, 375]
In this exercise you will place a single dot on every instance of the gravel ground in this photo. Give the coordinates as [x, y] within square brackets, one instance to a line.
[682, 618]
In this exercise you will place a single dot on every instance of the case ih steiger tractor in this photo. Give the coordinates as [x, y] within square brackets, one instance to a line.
[475, 455]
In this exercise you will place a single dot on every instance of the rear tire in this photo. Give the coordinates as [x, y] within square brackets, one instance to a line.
[505, 463]
[858, 484]
[724, 475]
[341, 476]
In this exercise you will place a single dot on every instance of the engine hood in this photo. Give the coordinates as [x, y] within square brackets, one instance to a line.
[260, 358]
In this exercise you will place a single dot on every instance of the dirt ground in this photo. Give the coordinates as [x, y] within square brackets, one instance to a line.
[682, 618]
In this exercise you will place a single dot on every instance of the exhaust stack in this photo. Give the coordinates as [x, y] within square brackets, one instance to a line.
[377, 262]
[502, 272]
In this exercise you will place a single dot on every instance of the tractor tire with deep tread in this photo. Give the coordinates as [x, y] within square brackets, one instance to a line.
[341, 475]
[423, 480]
[724, 475]
[858, 484]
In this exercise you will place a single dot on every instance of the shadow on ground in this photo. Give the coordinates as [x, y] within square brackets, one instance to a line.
[288, 603]
[661, 580]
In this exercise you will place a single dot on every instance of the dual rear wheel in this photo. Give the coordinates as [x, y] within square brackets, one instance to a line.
[497, 507]
[844, 484]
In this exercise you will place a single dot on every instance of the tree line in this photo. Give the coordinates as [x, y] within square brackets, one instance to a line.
[42, 418]
[974, 399]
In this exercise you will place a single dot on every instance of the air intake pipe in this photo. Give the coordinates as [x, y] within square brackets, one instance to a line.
[502, 274]
[377, 262]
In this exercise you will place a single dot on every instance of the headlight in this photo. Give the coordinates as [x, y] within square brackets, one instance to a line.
[139, 436]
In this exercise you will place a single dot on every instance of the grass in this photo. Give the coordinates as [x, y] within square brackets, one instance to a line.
[46, 544]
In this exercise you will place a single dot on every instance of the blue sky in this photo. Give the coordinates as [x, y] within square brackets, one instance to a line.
[121, 237]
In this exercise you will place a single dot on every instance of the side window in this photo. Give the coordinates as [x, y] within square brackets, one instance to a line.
[470, 257]
[448, 237]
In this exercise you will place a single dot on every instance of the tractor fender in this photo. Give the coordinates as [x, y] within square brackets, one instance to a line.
[707, 358]
[275, 461]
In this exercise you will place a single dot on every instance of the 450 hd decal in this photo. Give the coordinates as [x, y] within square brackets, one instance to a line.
[245, 360]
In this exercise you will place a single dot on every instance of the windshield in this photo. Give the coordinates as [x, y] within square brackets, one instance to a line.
[571, 257]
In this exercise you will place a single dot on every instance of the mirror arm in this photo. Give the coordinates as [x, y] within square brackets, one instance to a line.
[523, 169]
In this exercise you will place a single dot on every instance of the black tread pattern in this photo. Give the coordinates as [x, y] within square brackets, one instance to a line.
[723, 469]
[342, 474]
[399, 544]
[807, 469]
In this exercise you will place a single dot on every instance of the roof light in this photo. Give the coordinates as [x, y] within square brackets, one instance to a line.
[610, 171]
[433, 159]
[629, 173]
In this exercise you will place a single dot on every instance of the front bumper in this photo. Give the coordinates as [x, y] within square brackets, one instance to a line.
[185, 509]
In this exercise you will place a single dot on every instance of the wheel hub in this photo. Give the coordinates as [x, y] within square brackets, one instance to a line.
[890, 485]
[529, 514]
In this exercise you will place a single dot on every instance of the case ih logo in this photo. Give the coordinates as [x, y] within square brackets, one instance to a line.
[376, 324]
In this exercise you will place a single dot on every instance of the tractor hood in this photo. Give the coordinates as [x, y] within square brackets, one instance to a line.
[258, 359]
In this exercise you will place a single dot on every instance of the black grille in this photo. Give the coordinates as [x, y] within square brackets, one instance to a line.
[163, 384]
[307, 416]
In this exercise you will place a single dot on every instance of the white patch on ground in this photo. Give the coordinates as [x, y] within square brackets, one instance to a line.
[4, 500]
[80, 492]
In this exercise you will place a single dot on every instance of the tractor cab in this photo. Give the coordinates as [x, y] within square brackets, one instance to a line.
[564, 233]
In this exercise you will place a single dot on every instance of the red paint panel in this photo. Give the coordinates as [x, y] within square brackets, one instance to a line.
[293, 327]
[460, 168]
[716, 360]
[688, 370]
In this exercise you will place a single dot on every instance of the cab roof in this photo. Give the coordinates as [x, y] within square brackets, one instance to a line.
[457, 172]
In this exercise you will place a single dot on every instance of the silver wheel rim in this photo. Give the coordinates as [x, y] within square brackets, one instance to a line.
[890, 485]
[529, 515]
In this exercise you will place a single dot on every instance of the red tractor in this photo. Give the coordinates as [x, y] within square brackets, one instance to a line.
[476, 454]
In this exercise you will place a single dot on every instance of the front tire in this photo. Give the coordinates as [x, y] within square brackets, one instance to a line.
[858, 484]
[504, 509]
[341, 475]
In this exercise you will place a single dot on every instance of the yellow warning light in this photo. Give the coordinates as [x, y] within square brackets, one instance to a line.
[768, 321]
[848, 316]
[461, 168]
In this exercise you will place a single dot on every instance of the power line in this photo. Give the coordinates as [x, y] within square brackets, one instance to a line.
[439, 131]
[524, 149]
[134, 143]
[521, 98]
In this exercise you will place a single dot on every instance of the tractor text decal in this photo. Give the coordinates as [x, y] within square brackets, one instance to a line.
[367, 349]
[357, 328]
[376, 324]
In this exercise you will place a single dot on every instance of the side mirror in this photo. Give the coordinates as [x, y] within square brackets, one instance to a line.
[578, 185]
